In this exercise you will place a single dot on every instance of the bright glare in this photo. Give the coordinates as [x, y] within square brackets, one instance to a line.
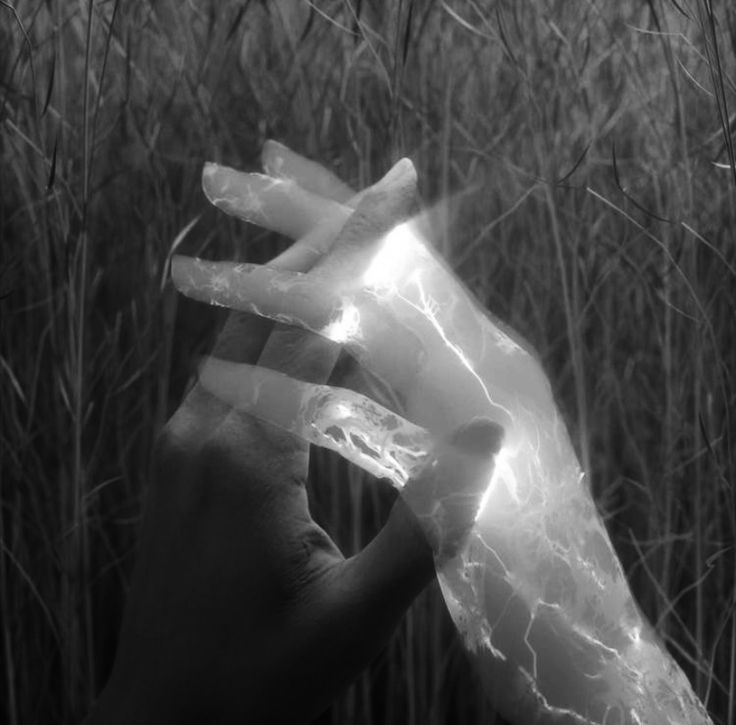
[486, 496]
[503, 473]
[635, 635]
[346, 327]
[397, 254]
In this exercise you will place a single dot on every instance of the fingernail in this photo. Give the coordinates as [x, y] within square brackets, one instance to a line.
[236, 192]
[210, 167]
[214, 180]
[272, 157]
[273, 142]
[273, 146]
[210, 171]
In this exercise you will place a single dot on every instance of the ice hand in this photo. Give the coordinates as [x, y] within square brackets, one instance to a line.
[538, 594]
[377, 289]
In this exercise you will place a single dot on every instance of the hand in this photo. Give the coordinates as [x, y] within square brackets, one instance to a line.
[347, 297]
[241, 608]
[537, 591]
[396, 308]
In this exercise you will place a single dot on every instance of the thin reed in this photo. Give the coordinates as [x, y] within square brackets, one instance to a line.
[587, 153]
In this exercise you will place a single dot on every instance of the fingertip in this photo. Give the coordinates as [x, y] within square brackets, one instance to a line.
[271, 144]
[404, 169]
[209, 172]
[402, 173]
[215, 181]
[209, 168]
[390, 200]
[480, 436]
[190, 275]
[180, 264]
[272, 157]
[280, 161]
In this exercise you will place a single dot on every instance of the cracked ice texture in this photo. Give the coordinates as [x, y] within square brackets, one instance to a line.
[537, 593]
[371, 436]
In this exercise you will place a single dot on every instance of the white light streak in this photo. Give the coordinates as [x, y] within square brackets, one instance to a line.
[400, 249]
[345, 328]
[503, 472]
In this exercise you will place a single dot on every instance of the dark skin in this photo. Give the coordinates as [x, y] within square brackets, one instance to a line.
[241, 608]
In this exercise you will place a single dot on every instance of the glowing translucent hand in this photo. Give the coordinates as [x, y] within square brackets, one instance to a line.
[536, 590]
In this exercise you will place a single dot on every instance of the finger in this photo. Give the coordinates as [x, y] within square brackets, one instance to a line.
[280, 205]
[293, 351]
[279, 295]
[372, 437]
[283, 163]
[350, 239]
[384, 312]
[343, 244]
[382, 207]
[308, 249]
[378, 211]
[355, 318]
[243, 334]
[290, 350]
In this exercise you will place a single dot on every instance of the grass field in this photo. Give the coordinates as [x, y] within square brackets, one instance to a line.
[588, 150]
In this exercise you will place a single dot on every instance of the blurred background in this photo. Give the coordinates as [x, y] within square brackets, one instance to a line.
[588, 152]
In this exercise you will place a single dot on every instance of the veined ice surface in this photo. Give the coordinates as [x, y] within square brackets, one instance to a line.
[537, 593]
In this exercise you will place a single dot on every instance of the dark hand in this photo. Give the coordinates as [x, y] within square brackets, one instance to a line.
[241, 608]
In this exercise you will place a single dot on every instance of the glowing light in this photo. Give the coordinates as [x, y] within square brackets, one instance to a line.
[339, 411]
[486, 496]
[503, 473]
[346, 327]
[395, 257]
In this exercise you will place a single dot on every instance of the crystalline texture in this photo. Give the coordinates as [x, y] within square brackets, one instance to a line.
[537, 593]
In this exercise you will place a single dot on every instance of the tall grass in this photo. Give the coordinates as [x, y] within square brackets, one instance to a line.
[588, 150]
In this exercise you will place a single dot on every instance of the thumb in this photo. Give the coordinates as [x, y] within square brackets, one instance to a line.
[446, 495]
[370, 592]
